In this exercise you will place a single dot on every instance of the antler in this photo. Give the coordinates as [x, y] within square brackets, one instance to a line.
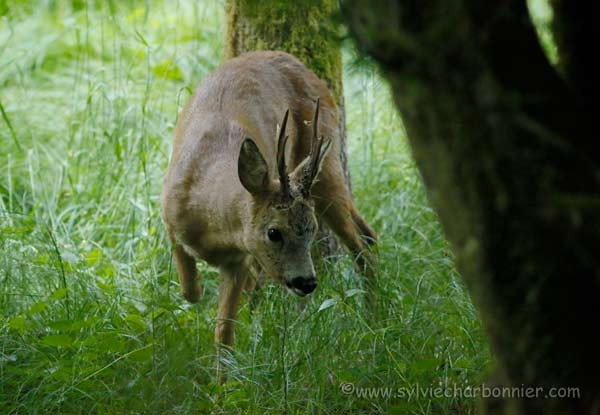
[317, 152]
[281, 141]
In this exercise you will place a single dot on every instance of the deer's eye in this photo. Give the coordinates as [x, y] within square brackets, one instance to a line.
[274, 235]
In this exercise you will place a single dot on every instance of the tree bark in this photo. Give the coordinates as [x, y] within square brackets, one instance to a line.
[305, 29]
[576, 32]
[506, 150]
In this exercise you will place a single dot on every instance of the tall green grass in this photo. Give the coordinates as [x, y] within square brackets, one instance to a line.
[91, 320]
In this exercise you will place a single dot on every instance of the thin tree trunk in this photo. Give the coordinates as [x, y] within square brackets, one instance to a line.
[507, 152]
[305, 29]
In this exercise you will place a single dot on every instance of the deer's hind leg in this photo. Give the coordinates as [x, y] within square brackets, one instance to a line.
[355, 233]
[336, 206]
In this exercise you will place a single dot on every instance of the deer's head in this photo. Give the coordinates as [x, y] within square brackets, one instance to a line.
[283, 222]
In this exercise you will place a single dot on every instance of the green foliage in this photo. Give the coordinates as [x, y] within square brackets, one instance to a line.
[91, 319]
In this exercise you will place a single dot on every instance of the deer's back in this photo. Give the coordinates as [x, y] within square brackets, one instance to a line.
[253, 91]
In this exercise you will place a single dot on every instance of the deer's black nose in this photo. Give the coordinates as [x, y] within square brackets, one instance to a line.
[303, 285]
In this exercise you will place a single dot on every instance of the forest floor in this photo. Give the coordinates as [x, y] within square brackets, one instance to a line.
[91, 319]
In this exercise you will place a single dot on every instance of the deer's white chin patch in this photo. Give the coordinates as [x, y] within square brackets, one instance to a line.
[296, 291]
[299, 292]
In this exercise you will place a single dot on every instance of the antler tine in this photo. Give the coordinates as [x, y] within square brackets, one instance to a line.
[315, 159]
[315, 121]
[316, 153]
[317, 142]
[281, 142]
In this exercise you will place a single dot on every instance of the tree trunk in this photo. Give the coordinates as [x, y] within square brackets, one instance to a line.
[576, 33]
[305, 29]
[506, 149]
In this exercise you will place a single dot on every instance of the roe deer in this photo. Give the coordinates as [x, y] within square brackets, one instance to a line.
[244, 193]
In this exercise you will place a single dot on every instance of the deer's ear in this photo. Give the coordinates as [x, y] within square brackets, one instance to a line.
[252, 168]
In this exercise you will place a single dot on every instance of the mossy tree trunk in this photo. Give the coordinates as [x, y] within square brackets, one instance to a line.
[507, 150]
[305, 29]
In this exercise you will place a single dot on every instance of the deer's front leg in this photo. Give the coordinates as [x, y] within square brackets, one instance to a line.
[230, 290]
[188, 274]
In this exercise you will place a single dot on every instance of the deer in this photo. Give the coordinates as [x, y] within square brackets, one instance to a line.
[246, 188]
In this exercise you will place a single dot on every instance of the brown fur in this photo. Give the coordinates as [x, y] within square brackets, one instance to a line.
[219, 201]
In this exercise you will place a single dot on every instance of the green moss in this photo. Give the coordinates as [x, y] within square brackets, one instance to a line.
[305, 29]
